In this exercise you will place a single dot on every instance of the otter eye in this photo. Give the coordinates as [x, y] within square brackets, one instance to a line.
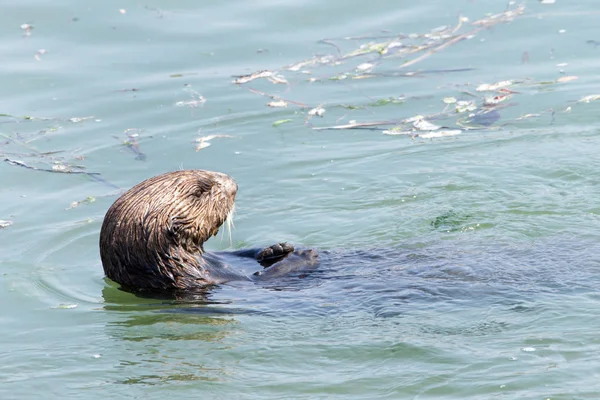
[202, 187]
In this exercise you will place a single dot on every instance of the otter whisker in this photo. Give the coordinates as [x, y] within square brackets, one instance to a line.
[228, 224]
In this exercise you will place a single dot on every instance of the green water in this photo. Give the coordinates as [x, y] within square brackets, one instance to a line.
[458, 267]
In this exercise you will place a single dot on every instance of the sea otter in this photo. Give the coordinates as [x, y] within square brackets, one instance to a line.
[152, 238]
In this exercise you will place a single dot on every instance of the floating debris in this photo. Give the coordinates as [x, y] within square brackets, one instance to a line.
[204, 141]
[191, 103]
[475, 107]
[27, 28]
[277, 98]
[65, 306]
[373, 52]
[197, 99]
[38, 55]
[281, 121]
[278, 103]
[5, 223]
[325, 60]
[527, 116]
[590, 98]
[438, 134]
[182, 75]
[398, 130]
[354, 125]
[249, 78]
[365, 67]
[565, 79]
[132, 143]
[421, 124]
[27, 156]
[340, 77]
[79, 119]
[494, 86]
[87, 200]
[385, 102]
[449, 100]
[278, 79]
[494, 100]
[60, 168]
[318, 111]
[465, 106]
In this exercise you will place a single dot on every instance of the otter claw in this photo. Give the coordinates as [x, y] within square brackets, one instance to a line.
[275, 252]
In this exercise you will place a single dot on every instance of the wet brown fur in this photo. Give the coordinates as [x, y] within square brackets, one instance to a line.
[152, 237]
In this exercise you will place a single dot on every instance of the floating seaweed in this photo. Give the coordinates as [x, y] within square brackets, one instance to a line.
[57, 167]
[393, 55]
[5, 223]
[27, 28]
[19, 150]
[281, 122]
[270, 75]
[87, 200]
[131, 142]
[197, 100]
[38, 54]
[204, 141]
[590, 98]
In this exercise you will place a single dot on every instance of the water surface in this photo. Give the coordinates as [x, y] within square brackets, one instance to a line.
[454, 267]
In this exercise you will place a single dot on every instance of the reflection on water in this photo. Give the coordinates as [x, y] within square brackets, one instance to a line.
[144, 323]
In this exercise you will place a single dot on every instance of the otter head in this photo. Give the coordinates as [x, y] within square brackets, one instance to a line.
[152, 236]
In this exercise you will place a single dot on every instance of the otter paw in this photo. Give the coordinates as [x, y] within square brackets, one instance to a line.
[269, 255]
[299, 263]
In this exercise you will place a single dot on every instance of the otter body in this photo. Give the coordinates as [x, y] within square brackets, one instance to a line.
[152, 237]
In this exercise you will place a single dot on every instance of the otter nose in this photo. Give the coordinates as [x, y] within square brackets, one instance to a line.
[228, 184]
